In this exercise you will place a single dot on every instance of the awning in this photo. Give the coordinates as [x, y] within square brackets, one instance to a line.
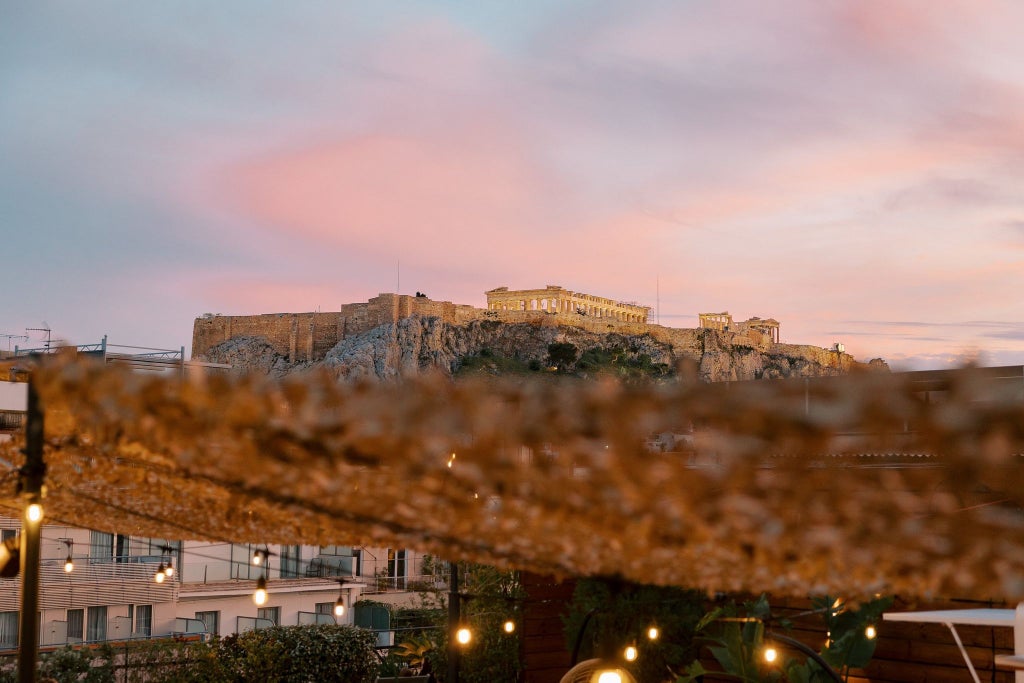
[560, 476]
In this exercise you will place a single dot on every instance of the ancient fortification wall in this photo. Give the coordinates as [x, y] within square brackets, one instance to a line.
[309, 336]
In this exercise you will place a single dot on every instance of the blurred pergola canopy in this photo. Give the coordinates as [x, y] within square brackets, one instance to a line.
[856, 485]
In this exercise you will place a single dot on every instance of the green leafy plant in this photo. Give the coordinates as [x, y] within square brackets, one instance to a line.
[622, 613]
[738, 641]
[562, 355]
[415, 649]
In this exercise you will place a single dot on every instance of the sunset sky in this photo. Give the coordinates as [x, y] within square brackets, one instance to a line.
[854, 169]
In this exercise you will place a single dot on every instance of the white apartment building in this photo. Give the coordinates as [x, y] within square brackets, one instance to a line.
[111, 592]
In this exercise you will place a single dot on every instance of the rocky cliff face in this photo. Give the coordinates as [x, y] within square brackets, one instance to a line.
[419, 344]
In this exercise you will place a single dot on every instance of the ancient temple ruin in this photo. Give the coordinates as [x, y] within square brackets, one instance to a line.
[723, 321]
[555, 299]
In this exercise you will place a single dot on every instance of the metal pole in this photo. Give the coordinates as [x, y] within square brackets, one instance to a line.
[454, 616]
[579, 636]
[31, 484]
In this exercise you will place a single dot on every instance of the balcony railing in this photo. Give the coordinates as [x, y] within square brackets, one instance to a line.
[252, 624]
[106, 582]
[185, 625]
[315, 618]
[422, 573]
[11, 421]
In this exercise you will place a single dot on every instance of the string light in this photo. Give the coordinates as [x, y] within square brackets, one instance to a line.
[509, 626]
[653, 633]
[339, 604]
[870, 632]
[69, 563]
[631, 653]
[169, 570]
[34, 512]
[770, 654]
[451, 460]
[160, 574]
[463, 636]
[260, 596]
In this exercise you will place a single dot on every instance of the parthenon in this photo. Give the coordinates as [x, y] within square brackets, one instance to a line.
[556, 299]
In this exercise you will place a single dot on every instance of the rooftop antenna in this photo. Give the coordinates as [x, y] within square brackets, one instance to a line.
[45, 328]
[9, 337]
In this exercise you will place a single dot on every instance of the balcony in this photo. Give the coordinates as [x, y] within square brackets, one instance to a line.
[127, 580]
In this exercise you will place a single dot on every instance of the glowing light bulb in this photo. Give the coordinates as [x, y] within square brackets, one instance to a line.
[870, 632]
[451, 460]
[34, 512]
[69, 565]
[609, 677]
[168, 571]
[770, 654]
[509, 626]
[653, 633]
[339, 608]
[260, 596]
[631, 653]
[257, 557]
[464, 635]
[159, 576]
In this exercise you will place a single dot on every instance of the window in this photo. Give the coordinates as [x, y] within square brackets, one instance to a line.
[96, 623]
[290, 560]
[122, 547]
[396, 568]
[271, 613]
[342, 550]
[241, 561]
[75, 619]
[8, 629]
[211, 620]
[324, 608]
[101, 546]
[143, 620]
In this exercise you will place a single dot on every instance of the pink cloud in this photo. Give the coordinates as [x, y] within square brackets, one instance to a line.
[372, 191]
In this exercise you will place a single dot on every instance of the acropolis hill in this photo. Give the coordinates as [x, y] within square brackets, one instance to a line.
[394, 334]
